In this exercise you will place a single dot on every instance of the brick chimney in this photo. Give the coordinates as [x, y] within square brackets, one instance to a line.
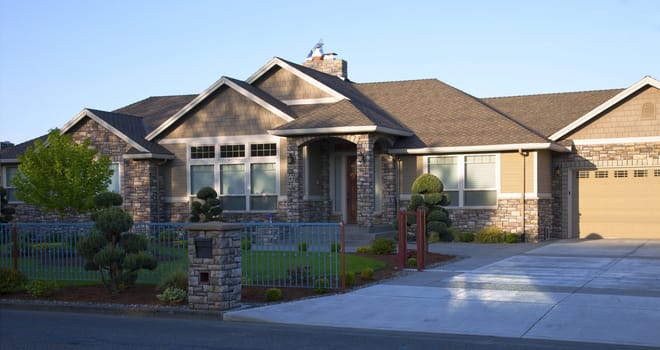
[326, 62]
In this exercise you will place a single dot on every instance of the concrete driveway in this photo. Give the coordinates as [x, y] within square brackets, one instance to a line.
[593, 291]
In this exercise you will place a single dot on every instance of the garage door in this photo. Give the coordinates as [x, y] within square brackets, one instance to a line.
[619, 203]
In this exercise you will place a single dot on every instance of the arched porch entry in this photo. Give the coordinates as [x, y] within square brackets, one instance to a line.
[348, 178]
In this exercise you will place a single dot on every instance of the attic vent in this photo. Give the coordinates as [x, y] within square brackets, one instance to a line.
[620, 173]
[601, 174]
[648, 111]
[583, 174]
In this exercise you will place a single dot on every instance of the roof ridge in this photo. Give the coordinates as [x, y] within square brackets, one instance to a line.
[396, 81]
[150, 97]
[552, 93]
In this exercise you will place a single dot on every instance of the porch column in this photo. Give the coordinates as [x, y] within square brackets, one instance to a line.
[294, 181]
[365, 180]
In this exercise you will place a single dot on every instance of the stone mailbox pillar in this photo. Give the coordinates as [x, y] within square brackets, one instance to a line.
[214, 266]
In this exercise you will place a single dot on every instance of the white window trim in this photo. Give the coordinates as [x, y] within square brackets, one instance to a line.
[247, 160]
[118, 176]
[5, 183]
[461, 178]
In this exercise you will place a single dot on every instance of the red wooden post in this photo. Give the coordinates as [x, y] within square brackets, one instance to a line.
[403, 237]
[14, 249]
[421, 239]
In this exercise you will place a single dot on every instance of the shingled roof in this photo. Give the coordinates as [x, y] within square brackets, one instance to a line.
[548, 113]
[156, 109]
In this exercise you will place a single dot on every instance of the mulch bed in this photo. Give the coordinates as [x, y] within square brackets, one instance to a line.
[146, 294]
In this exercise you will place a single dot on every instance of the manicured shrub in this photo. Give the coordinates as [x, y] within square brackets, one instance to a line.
[172, 295]
[11, 280]
[382, 246]
[467, 237]
[246, 244]
[41, 288]
[412, 262]
[436, 226]
[363, 250]
[436, 214]
[427, 183]
[490, 234]
[455, 233]
[273, 294]
[302, 246]
[174, 279]
[335, 247]
[512, 238]
[321, 285]
[367, 273]
[433, 237]
[349, 278]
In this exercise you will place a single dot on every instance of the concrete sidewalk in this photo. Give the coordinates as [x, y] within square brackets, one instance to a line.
[594, 291]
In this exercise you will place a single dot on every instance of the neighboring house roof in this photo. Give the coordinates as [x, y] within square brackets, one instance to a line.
[129, 128]
[548, 113]
[10, 154]
[156, 109]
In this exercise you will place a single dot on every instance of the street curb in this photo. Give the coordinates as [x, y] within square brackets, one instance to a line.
[110, 309]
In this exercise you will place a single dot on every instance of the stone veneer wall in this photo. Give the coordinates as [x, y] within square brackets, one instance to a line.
[594, 157]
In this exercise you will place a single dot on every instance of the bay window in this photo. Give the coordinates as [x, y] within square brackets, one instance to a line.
[469, 180]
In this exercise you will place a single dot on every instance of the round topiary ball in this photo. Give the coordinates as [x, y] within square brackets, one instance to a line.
[427, 183]
[113, 221]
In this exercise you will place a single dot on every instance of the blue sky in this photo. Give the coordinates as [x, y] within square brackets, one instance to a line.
[58, 57]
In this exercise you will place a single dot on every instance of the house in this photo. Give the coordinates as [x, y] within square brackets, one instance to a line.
[301, 142]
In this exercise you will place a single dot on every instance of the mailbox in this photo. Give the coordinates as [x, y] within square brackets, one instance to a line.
[203, 248]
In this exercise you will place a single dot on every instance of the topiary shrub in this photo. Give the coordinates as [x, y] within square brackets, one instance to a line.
[172, 295]
[367, 273]
[433, 237]
[321, 285]
[349, 278]
[382, 246]
[273, 294]
[512, 238]
[174, 279]
[467, 237]
[412, 262]
[207, 207]
[11, 280]
[118, 256]
[490, 234]
[41, 288]
[427, 183]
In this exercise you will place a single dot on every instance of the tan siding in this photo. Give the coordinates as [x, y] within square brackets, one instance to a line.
[544, 171]
[411, 167]
[625, 120]
[285, 86]
[511, 172]
[620, 207]
[175, 172]
[225, 113]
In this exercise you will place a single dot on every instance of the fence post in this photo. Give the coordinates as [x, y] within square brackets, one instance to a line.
[403, 238]
[14, 248]
[343, 258]
[421, 238]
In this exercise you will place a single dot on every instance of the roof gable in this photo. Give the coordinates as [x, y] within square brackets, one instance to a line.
[252, 93]
[598, 110]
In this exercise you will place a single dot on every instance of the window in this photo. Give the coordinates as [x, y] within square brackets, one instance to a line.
[582, 174]
[470, 180]
[114, 185]
[640, 173]
[620, 173]
[656, 172]
[601, 174]
[10, 172]
[244, 181]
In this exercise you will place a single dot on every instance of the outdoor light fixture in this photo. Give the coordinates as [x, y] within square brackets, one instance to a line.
[291, 158]
[557, 171]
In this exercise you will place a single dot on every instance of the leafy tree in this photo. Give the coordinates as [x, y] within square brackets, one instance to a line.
[207, 208]
[60, 175]
[6, 212]
[116, 254]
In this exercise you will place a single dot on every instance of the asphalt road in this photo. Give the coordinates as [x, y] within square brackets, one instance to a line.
[20, 329]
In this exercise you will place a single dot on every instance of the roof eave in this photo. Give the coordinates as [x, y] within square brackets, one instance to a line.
[149, 156]
[484, 148]
[87, 113]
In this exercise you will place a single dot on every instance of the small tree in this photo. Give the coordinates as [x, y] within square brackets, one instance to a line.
[207, 208]
[6, 212]
[427, 192]
[113, 252]
[61, 176]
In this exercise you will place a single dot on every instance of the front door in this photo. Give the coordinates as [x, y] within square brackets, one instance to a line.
[351, 190]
